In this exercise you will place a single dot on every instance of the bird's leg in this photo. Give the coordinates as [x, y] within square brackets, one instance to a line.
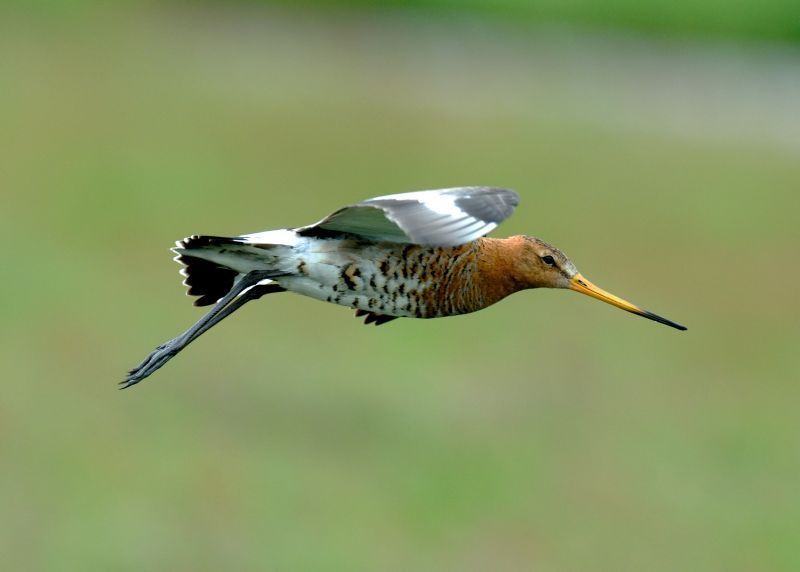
[252, 293]
[243, 291]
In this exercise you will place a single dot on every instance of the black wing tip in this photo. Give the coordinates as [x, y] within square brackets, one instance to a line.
[514, 197]
[490, 207]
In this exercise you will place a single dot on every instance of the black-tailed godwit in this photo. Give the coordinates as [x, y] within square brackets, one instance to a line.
[412, 255]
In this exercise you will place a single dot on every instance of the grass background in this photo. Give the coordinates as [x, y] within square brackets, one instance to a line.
[550, 432]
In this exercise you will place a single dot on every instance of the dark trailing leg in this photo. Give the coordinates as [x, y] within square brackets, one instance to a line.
[243, 291]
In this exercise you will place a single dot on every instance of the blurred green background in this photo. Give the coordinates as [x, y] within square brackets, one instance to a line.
[658, 144]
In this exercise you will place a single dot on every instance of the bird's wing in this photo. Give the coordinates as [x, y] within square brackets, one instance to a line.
[443, 217]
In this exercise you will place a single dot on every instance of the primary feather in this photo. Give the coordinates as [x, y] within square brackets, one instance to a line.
[443, 217]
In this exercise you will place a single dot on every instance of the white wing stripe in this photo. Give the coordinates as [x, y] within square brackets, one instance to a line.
[446, 217]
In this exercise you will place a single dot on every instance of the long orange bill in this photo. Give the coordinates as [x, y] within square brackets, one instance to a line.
[582, 285]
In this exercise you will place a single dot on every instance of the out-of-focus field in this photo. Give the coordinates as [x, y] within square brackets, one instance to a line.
[550, 432]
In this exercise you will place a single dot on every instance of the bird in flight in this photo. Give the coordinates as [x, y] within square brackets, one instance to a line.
[412, 255]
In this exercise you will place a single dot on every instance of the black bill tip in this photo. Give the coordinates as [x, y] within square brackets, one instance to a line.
[660, 320]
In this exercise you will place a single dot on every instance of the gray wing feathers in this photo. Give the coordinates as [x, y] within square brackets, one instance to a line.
[445, 217]
[366, 221]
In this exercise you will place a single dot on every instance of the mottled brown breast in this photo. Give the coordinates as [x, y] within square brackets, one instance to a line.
[470, 277]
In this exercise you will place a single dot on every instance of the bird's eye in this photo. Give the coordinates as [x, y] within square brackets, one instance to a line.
[549, 260]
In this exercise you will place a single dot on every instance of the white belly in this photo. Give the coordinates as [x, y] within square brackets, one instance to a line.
[352, 274]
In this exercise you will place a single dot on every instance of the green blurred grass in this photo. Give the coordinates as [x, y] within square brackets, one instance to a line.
[549, 432]
[774, 20]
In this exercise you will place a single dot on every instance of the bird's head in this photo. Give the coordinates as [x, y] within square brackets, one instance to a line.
[542, 265]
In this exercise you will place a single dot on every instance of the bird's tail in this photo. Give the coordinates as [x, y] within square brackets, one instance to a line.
[207, 280]
[213, 263]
